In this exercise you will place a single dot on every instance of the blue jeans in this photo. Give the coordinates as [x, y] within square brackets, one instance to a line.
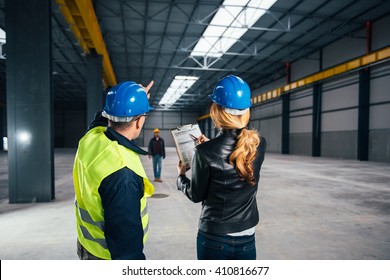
[157, 166]
[225, 247]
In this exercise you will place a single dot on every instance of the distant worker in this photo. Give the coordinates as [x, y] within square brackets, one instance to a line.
[225, 174]
[109, 180]
[156, 150]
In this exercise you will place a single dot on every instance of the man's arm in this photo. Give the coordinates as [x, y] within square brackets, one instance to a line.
[121, 193]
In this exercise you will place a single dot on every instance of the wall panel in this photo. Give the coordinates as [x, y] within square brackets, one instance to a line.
[266, 118]
[305, 67]
[339, 144]
[380, 33]
[343, 50]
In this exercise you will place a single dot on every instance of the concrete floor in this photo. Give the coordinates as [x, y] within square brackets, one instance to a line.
[311, 208]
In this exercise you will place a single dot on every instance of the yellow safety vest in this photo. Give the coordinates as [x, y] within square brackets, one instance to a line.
[97, 157]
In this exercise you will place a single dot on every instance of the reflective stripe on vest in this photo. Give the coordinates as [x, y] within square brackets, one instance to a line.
[97, 157]
[84, 215]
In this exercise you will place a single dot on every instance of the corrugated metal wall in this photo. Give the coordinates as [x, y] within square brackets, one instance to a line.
[340, 101]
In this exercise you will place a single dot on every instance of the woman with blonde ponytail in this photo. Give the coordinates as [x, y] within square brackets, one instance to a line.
[225, 175]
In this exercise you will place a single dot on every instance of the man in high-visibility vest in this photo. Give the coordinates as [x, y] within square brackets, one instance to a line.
[109, 180]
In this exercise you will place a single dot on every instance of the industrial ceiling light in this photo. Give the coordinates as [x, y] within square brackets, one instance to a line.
[2, 37]
[177, 88]
[2, 42]
[229, 23]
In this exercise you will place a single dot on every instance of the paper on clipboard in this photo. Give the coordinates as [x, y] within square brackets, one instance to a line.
[185, 143]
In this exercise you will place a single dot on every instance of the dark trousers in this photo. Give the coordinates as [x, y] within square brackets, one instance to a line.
[225, 247]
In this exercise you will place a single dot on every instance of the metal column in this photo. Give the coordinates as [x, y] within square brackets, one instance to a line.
[29, 101]
[286, 114]
[363, 114]
[94, 85]
[364, 103]
[316, 131]
[2, 124]
[286, 124]
[3, 109]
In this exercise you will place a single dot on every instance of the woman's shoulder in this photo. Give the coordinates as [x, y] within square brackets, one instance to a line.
[263, 145]
[213, 143]
[206, 145]
[218, 147]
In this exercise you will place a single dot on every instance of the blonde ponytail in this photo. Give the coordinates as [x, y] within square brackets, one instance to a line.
[245, 153]
[247, 141]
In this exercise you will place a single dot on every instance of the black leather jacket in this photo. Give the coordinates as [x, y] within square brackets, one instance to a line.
[228, 203]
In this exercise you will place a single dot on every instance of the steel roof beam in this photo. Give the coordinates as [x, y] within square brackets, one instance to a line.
[83, 22]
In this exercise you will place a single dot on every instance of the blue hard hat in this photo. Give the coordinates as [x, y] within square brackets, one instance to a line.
[126, 100]
[232, 92]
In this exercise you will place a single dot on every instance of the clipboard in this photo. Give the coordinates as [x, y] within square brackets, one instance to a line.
[185, 141]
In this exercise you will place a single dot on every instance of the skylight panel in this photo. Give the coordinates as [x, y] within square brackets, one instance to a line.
[176, 89]
[2, 36]
[231, 21]
[214, 31]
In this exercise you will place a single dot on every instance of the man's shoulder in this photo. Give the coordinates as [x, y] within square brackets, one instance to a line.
[122, 178]
[123, 175]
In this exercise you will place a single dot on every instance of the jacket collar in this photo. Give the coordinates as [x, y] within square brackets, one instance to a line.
[122, 140]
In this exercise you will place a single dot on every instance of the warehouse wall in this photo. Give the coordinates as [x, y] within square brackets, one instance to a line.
[165, 121]
[267, 120]
[270, 86]
[380, 33]
[339, 103]
[70, 126]
[305, 67]
[379, 140]
[301, 122]
[340, 117]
